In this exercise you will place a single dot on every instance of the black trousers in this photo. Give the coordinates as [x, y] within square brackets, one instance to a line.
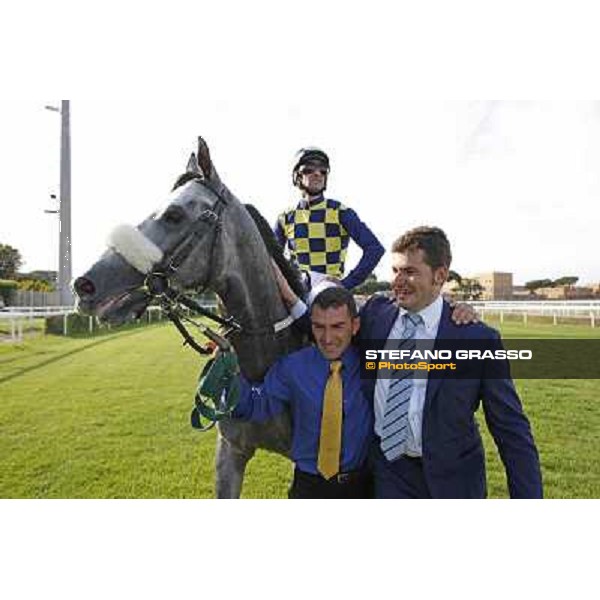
[357, 484]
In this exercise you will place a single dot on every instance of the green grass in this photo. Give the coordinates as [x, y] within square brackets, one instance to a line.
[108, 417]
[513, 327]
[565, 417]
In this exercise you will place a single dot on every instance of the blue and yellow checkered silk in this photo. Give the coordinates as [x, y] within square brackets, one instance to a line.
[316, 238]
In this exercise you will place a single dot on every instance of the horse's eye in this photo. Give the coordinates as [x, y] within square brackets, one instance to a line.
[174, 215]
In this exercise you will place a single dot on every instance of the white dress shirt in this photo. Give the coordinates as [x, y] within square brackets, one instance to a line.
[426, 330]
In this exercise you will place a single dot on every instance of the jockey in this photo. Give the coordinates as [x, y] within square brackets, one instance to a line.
[317, 230]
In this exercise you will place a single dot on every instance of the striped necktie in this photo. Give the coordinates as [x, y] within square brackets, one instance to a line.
[330, 442]
[395, 417]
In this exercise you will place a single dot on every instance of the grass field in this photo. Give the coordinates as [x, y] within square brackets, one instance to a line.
[108, 417]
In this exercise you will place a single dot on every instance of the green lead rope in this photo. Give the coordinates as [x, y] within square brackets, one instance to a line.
[218, 391]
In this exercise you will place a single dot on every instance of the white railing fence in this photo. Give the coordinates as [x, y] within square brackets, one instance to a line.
[585, 311]
[19, 319]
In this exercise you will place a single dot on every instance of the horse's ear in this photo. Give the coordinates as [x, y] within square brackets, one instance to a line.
[193, 166]
[206, 164]
[204, 161]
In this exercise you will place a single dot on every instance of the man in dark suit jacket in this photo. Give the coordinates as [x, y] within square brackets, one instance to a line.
[438, 453]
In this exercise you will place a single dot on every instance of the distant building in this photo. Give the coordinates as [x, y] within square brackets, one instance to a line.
[48, 276]
[520, 292]
[565, 292]
[579, 292]
[496, 285]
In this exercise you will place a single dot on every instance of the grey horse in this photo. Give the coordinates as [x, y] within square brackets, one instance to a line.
[216, 244]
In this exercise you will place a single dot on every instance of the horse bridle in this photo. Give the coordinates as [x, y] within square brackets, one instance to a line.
[158, 286]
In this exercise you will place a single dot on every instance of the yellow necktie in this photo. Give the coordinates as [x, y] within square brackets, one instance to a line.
[330, 443]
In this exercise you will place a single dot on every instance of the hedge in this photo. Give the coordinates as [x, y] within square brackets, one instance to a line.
[7, 290]
[76, 324]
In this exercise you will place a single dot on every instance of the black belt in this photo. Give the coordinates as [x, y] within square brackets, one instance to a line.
[340, 478]
[415, 459]
[418, 459]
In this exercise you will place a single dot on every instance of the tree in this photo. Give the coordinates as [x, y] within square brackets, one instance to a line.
[567, 280]
[454, 276]
[469, 289]
[10, 261]
[7, 290]
[34, 285]
[371, 285]
[538, 283]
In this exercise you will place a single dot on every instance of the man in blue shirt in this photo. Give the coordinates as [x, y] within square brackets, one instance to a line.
[332, 421]
[318, 230]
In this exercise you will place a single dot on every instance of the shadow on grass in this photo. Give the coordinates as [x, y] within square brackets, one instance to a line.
[54, 359]
[29, 355]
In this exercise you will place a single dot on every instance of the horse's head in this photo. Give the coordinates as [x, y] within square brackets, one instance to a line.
[176, 241]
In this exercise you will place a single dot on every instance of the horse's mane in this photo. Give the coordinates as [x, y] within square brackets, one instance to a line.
[290, 272]
[183, 179]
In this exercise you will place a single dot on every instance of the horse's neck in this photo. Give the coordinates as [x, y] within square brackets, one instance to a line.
[249, 291]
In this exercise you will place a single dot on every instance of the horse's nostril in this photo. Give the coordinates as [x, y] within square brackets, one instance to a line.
[84, 287]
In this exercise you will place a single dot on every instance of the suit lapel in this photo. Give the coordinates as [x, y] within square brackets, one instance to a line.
[446, 331]
[375, 328]
[387, 321]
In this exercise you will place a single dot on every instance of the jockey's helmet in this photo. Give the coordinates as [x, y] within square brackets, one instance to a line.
[308, 155]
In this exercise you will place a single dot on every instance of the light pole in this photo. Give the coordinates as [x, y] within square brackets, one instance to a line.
[57, 213]
[64, 249]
